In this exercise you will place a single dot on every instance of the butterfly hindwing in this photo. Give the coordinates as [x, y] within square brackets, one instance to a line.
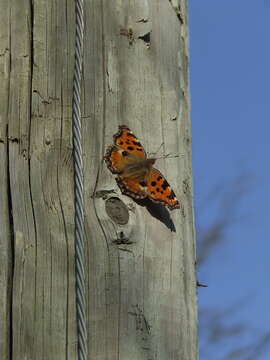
[160, 191]
[156, 188]
[132, 188]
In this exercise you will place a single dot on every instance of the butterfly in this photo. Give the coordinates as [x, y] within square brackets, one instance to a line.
[136, 175]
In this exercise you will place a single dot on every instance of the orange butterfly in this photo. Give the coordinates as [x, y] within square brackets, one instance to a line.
[136, 176]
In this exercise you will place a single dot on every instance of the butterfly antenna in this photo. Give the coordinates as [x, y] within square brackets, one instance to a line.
[168, 156]
[155, 153]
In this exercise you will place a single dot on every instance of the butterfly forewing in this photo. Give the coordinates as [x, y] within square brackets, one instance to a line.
[127, 141]
[127, 150]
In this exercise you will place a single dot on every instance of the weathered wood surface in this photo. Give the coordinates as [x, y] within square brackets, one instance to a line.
[141, 276]
[5, 228]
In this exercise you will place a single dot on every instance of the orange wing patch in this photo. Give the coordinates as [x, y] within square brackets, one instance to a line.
[160, 191]
[114, 159]
[126, 140]
[132, 188]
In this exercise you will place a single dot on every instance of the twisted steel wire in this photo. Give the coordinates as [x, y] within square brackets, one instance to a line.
[78, 185]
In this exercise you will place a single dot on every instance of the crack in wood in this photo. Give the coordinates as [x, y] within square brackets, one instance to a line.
[13, 139]
[143, 328]
[43, 100]
[4, 52]
[122, 239]
[129, 34]
[12, 240]
[143, 20]
[103, 194]
[146, 38]
[177, 10]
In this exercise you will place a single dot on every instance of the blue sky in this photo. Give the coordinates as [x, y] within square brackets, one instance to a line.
[230, 95]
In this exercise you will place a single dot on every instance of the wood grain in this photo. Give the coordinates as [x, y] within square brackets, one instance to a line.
[5, 226]
[140, 275]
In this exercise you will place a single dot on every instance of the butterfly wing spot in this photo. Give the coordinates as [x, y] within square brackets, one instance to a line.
[116, 159]
[171, 196]
[160, 191]
[131, 188]
[127, 141]
[165, 185]
[143, 184]
[113, 159]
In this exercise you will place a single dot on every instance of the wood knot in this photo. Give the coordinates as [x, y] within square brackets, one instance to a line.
[117, 210]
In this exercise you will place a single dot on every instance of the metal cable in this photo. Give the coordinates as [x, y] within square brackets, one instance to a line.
[78, 185]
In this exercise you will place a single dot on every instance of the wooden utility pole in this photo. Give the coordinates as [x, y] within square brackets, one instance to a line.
[141, 285]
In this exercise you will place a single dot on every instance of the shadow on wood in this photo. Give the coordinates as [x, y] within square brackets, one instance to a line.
[158, 211]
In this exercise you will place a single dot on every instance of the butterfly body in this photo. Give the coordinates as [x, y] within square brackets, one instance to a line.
[138, 169]
[136, 175]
